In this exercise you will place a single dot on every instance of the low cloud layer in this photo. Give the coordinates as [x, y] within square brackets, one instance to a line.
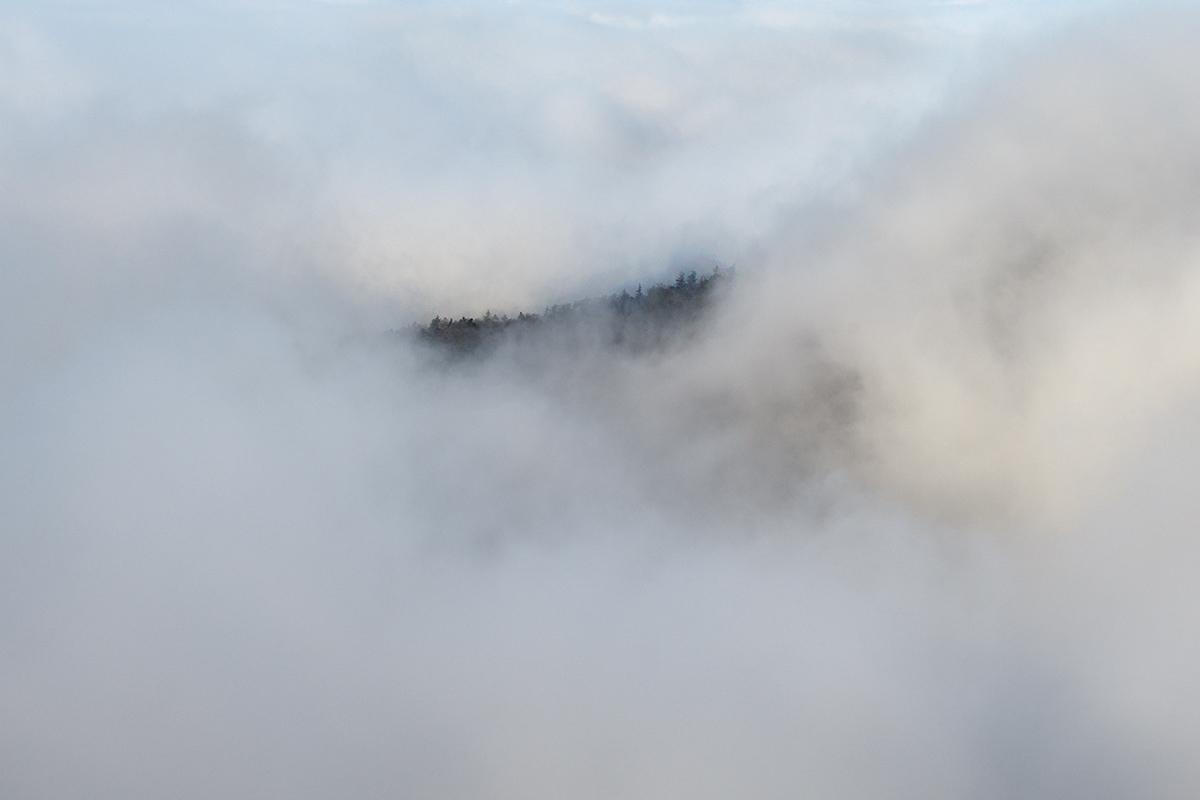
[911, 516]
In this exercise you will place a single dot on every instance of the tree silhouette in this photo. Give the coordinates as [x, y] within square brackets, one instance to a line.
[646, 320]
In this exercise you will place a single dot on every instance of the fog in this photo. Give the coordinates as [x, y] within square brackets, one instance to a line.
[910, 515]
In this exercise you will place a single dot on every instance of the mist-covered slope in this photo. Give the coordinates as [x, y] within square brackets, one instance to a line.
[906, 510]
[644, 321]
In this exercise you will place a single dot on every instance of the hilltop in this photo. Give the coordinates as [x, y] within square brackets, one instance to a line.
[636, 322]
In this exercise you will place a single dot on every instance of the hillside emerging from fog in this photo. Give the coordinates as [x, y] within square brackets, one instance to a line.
[903, 510]
[646, 320]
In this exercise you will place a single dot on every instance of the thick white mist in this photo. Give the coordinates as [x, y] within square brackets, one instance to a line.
[911, 517]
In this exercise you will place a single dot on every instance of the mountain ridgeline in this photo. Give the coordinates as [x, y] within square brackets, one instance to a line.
[637, 322]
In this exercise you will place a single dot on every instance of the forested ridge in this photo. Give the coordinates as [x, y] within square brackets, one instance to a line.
[643, 320]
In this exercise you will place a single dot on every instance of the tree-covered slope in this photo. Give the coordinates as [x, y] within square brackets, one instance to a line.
[637, 322]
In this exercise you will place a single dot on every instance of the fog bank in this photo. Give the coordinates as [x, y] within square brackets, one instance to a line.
[909, 516]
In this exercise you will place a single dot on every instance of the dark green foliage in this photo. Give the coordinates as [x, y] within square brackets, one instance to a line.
[645, 320]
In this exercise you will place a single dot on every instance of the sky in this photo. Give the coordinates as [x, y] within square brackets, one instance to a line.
[912, 516]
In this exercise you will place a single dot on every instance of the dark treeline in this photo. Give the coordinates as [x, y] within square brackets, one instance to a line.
[639, 321]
